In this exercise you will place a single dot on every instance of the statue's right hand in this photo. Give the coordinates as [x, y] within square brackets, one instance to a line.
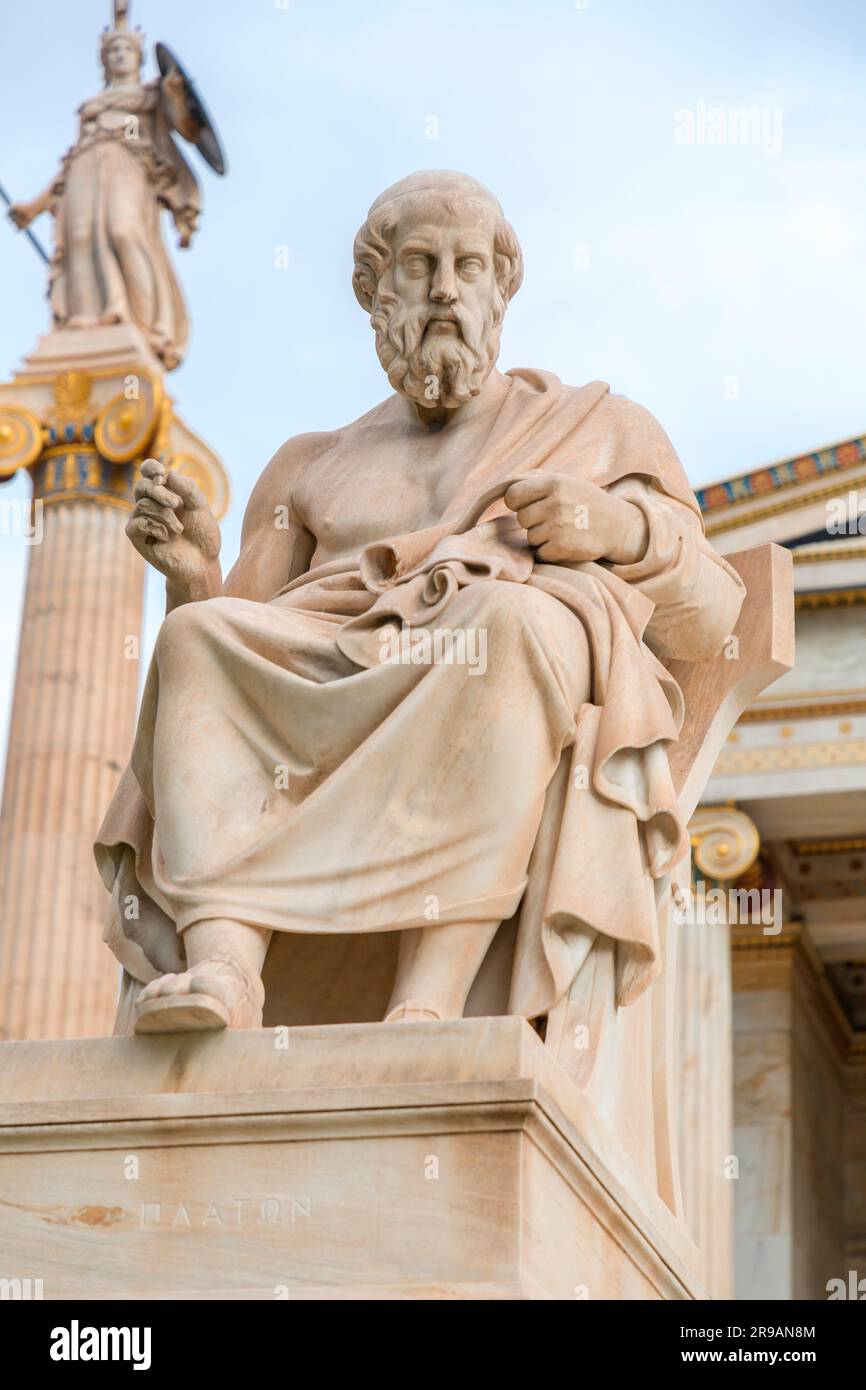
[174, 528]
[22, 214]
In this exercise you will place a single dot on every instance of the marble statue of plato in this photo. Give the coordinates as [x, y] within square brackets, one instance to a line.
[431, 699]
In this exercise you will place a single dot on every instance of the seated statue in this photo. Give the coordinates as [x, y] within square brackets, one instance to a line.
[432, 701]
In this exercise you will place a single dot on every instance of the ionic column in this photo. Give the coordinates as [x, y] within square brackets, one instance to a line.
[70, 733]
[86, 408]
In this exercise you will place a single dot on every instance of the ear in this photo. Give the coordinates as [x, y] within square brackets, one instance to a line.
[509, 274]
[364, 285]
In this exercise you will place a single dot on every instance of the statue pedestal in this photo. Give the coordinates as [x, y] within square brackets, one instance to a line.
[442, 1160]
[109, 348]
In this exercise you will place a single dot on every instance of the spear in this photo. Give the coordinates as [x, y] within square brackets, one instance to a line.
[26, 230]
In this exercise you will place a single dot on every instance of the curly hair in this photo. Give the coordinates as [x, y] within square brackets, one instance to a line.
[373, 250]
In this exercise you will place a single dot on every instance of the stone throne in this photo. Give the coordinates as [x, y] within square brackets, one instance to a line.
[341, 979]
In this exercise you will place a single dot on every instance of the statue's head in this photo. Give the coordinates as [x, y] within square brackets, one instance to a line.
[435, 266]
[121, 48]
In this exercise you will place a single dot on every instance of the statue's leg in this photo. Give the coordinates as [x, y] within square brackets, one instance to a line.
[513, 723]
[80, 214]
[436, 968]
[222, 988]
[130, 283]
[124, 1019]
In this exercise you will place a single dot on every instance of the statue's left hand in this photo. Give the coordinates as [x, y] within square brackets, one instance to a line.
[186, 222]
[570, 520]
[174, 91]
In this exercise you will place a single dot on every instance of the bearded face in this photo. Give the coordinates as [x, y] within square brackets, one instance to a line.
[438, 309]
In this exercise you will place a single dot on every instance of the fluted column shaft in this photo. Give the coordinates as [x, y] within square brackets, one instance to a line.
[725, 844]
[70, 734]
[705, 1099]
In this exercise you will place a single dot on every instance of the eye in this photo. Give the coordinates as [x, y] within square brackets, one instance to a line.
[470, 267]
[416, 264]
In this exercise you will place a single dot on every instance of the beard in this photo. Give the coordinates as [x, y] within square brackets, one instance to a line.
[435, 368]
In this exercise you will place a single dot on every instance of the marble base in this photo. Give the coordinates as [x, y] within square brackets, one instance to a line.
[107, 348]
[432, 1161]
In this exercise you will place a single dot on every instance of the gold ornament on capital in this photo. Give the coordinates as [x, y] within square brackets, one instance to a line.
[21, 439]
[126, 425]
[725, 842]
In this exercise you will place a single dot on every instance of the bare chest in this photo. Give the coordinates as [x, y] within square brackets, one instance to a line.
[362, 494]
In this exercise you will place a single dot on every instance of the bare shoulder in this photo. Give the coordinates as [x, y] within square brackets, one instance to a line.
[298, 454]
[283, 473]
[295, 464]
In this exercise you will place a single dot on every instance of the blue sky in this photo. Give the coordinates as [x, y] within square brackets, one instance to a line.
[722, 285]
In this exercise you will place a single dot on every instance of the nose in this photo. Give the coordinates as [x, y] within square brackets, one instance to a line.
[444, 287]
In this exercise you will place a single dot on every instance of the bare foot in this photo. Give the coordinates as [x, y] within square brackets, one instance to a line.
[216, 993]
[415, 1011]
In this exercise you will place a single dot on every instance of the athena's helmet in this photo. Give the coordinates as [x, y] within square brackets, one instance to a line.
[121, 27]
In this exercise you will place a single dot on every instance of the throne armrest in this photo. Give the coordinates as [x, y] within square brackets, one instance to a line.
[716, 692]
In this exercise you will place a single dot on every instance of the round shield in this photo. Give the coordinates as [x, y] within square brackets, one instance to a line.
[207, 142]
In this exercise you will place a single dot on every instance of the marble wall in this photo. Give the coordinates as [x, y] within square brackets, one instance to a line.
[817, 1123]
[789, 1115]
[855, 1169]
[762, 1141]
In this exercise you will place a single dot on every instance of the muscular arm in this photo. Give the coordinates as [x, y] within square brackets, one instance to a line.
[697, 595]
[22, 214]
[646, 538]
[276, 545]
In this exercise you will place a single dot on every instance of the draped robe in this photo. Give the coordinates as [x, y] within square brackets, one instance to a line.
[110, 261]
[286, 775]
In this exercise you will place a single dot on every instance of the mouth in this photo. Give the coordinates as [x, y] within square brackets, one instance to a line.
[443, 324]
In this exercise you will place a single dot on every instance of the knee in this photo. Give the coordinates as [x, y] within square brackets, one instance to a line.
[79, 237]
[186, 629]
[522, 624]
[504, 606]
[123, 238]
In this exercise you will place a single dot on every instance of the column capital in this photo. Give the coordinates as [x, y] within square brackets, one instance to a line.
[725, 842]
[82, 430]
